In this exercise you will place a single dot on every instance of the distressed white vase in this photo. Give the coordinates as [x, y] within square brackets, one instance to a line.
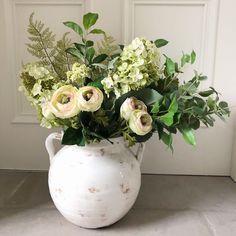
[96, 185]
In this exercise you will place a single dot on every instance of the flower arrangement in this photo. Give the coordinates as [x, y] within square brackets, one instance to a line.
[109, 90]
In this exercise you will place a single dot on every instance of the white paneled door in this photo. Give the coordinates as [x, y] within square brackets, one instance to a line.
[204, 25]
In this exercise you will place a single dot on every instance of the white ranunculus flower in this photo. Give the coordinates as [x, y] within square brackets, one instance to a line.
[129, 105]
[140, 122]
[64, 102]
[89, 98]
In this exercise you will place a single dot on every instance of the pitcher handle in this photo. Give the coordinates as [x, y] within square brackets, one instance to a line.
[139, 153]
[49, 144]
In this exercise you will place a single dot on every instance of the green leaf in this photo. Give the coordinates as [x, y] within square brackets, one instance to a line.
[198, 110]
[94, 134]
[80, 47]
[185, 59]
[74, 27]
[223, 105]
[100, 58]
[173, 106]
[188, 135]
[194, 123]
[167, 139]
[193, 57]
[74, 52]
[97, 82]
[89, 43]
[90, 54]
[143, 138]
[206, 93]
[209, 121]
[73, 136]
[155, 107]
[121, 47]
[160, 42]
[167, 119]
[170, 66]
[211, 103]
[97, 31]
[202, 77]
[148, 96]
[89, 19]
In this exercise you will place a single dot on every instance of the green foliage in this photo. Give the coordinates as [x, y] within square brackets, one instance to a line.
[62, 60]
[188, 58]
[174, 106]
[169, 67]
[167, 139]
[97, 82]
[155, 107]
[160, 43]
[108, 46]
[42, 41]
[73, 136]
[28, 81]
[97, 31]
[46, 49]
[168, 118]
[100, 58]
[74, 52]
[75, 27]
[89, 20]
[128, 137]
[188, 135]
[101, 117]
[193, 57]
[90, 52]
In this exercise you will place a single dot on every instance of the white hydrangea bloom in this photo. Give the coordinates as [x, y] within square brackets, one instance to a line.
[137, 67]
[36, 71]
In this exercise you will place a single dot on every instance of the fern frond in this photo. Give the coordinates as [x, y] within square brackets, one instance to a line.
[42, 42]
[61, 59]
[108, 46]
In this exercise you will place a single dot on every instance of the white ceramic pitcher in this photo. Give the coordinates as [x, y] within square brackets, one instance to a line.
[96, 185]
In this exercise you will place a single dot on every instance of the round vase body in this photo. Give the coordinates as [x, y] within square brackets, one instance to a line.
[96, 185]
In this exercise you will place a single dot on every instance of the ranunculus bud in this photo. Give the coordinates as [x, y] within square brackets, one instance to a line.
[64, 102]
[140, 122]
[46, 111]
[89, 98]
[129, 105]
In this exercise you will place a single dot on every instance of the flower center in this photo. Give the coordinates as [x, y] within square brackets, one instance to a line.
[144, 120]
[63, 99]
[87, 95]
[139, 106]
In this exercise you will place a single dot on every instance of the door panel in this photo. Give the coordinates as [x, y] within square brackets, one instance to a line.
[203, 25]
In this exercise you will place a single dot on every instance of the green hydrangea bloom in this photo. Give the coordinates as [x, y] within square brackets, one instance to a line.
[35, 79]
[137, 67]
[78, 73]
[38, 84]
